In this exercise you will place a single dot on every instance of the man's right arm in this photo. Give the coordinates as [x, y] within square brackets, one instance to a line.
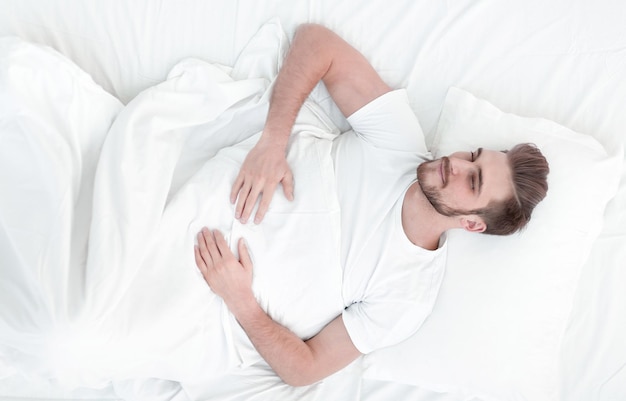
[316, 54]
[297, 362]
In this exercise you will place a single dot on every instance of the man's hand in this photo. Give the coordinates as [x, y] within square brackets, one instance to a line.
[297, 362]
[228, 277]
[262, 170]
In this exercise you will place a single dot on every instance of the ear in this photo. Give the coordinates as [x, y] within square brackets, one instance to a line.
[473, 224]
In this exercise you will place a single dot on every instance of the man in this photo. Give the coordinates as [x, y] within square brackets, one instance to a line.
[392, 245]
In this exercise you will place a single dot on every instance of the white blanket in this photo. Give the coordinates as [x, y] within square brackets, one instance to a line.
[137, 306]
[54, 119]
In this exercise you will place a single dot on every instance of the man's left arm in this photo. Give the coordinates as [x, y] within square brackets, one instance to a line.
[297, 362]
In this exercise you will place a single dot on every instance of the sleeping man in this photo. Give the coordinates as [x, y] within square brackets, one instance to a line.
[348, 259]
[395, 207]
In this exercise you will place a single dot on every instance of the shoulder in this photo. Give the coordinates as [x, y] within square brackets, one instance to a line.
[389, 122]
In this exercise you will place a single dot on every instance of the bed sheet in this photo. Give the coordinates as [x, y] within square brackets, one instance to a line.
[562, 60]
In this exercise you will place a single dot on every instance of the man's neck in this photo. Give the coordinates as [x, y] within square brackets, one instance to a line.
[422, 224]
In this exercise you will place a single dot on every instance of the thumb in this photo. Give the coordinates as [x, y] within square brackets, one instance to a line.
[287, 182]
[244, 255]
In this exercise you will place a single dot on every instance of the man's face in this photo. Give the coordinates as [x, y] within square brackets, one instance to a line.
[466, 181]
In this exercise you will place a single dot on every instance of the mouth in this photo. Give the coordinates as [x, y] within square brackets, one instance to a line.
[443, 170]
[442, 173]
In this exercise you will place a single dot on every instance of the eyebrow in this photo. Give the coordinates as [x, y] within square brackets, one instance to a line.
[480, 171]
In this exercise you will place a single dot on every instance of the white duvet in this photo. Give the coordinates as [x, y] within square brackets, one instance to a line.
[99, 281]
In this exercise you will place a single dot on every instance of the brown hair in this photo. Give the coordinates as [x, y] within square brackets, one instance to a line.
[529, 170]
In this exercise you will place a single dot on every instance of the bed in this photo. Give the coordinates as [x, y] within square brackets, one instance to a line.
[533, 317]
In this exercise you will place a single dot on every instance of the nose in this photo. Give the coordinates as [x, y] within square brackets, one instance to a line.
[459, 166]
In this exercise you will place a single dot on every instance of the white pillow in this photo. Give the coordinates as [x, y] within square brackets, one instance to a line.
[497, 327]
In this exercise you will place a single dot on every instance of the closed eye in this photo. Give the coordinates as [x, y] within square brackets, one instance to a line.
[474, 156]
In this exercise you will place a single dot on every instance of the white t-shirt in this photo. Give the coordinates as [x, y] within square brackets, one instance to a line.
[389, 284]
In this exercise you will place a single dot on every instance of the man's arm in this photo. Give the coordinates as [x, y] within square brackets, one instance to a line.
[316, 54]
[297, 362]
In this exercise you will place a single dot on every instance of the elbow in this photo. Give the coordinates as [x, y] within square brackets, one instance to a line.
[303, 373]
[299, 380]
[313, 35]
[310, 28]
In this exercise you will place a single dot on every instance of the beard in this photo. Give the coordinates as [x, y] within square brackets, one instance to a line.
[432, 193]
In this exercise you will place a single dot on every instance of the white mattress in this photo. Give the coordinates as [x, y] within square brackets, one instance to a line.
[561, 60]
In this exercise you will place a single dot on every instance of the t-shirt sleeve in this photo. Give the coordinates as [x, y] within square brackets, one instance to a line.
[388, 122]
[375, 325]
[398, 301]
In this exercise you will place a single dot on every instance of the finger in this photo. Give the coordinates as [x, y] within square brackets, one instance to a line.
[288, 185]
[250, 202]
[210, 245]
[222, 245]
[244, 195]
[264, 204]
[244, 255]
[199, 261]
[236, 188]
[203, 250]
